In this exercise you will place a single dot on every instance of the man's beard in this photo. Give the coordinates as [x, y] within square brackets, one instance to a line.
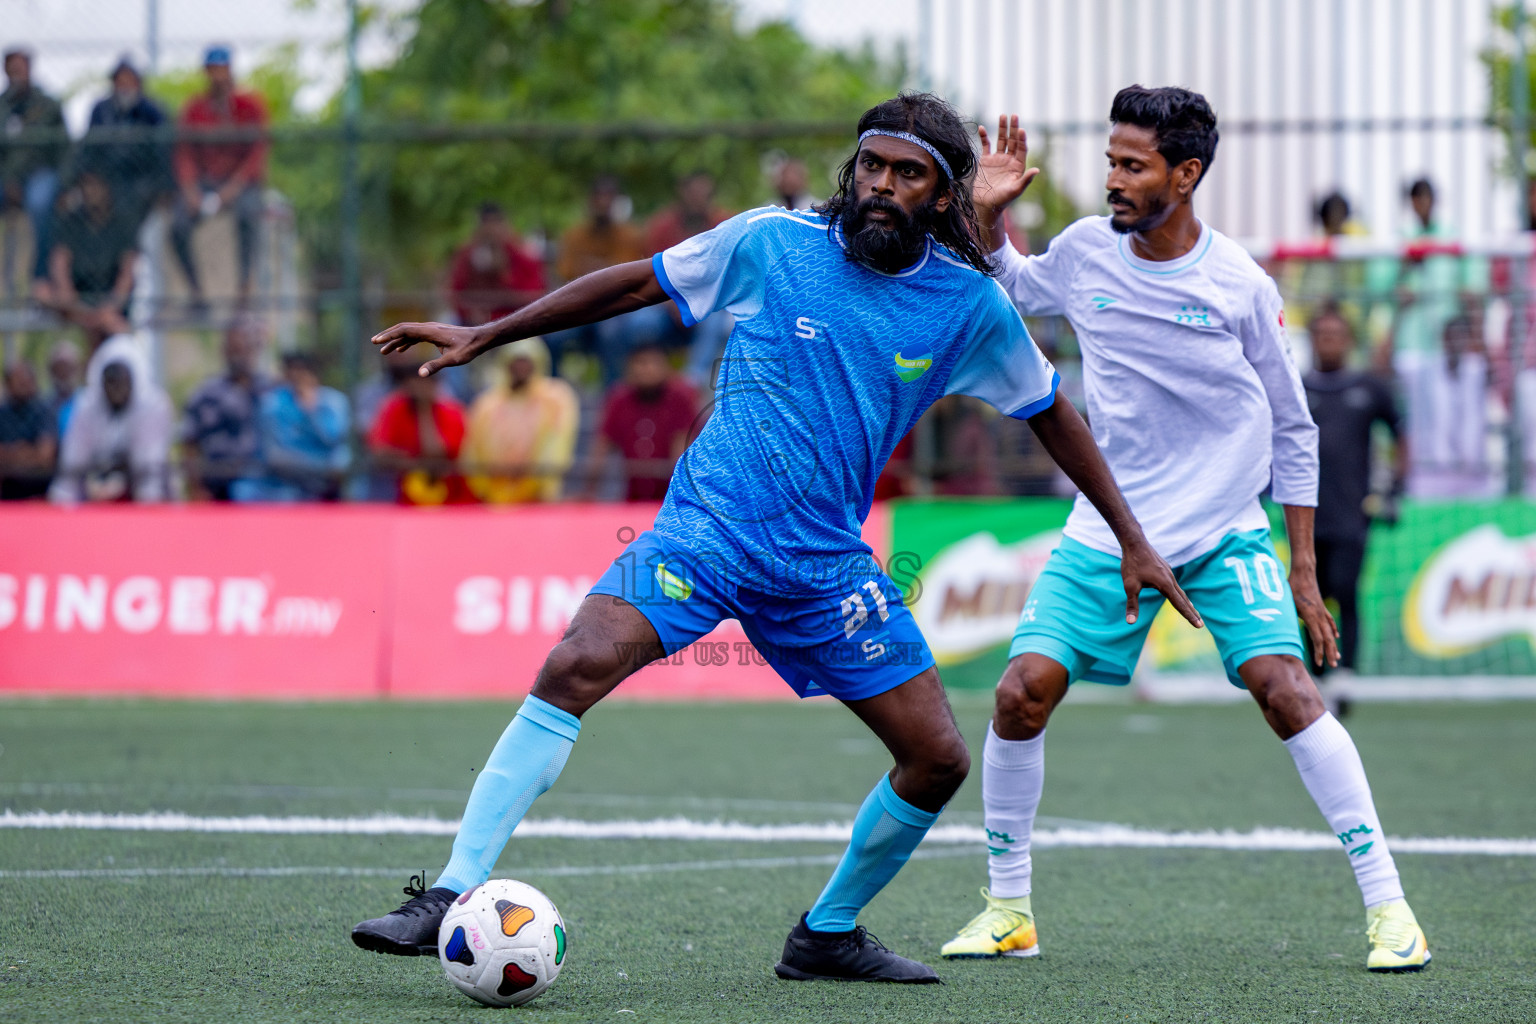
[1157, 212]
[889, 247]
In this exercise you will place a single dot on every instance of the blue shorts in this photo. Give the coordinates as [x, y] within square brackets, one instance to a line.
[1075, 613]
[852, 645]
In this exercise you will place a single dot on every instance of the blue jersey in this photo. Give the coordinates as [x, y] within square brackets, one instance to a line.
[828, 367]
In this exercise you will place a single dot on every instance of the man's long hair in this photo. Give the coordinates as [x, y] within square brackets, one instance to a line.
[936, 122]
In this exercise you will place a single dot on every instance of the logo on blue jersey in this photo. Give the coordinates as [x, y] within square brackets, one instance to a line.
[912, 362]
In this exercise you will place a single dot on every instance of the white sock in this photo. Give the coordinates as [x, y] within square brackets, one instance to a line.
[1331, 769]
[1012, 776]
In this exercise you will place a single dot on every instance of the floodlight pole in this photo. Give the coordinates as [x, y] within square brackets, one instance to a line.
[152, 34]
[1520, 141]
[351, 257]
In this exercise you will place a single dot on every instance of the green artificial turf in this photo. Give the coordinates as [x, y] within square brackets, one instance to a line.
[689, 931]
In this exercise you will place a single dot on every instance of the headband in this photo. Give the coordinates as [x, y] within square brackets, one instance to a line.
[909, 137]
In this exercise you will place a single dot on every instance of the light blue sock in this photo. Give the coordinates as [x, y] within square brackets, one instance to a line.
[524, 763]
[885, 832]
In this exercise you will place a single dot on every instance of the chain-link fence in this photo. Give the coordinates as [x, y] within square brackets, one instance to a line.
[290, 207]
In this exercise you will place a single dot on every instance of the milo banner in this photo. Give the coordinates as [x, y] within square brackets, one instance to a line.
[1448, 596]
[1452, 591]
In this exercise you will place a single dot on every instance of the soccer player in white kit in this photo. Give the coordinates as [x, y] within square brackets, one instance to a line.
[1198, 408]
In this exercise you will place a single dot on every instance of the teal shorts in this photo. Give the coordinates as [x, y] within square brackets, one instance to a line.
[1075, 613]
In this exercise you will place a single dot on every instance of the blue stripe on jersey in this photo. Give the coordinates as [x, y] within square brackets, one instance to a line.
[1040, 405]
[676, 296]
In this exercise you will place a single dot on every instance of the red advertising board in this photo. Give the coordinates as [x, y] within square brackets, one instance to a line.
[325, 602]
[207, 602]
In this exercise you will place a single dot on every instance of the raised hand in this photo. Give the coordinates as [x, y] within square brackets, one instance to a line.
[1001, 175]
[456, 345]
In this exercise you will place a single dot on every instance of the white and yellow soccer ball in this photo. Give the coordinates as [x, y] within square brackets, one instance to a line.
[502, 943]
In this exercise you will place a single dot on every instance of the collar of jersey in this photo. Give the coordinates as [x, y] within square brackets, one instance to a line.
[1168, 267]
[837, 233]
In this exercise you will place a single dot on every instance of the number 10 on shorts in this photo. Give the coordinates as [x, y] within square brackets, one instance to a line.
[1265, 570]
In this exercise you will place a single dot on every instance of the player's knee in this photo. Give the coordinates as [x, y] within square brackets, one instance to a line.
[1284, 691]
[945, 768]
[1024, 702]
[577, 671]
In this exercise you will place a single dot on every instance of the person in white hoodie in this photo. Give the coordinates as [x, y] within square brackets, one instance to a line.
[117, 446]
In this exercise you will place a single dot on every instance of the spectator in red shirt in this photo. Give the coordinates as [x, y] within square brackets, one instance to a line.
[648, 419]
[493, 274]
[694, 212]
[219, 174]
[417, 435]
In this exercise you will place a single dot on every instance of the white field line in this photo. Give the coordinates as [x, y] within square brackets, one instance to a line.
[529, 871]
[736, 832]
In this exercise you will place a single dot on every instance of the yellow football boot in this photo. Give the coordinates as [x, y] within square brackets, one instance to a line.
[1005, 928]
[1394, 938]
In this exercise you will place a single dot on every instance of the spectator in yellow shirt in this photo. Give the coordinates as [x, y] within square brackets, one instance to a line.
[522, 431]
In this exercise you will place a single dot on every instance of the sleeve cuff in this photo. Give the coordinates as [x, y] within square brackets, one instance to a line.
[660, 269]
[1040, 404]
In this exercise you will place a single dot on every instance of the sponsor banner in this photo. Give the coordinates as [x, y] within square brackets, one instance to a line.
[1449, 593]
[326, 602]
[1452, 591]
[479, 597]
[208, 602]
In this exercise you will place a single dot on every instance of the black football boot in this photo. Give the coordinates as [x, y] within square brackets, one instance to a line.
[411, 930]
[846, 956]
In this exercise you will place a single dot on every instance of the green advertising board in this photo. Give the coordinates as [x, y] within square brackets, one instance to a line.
[1449, 591]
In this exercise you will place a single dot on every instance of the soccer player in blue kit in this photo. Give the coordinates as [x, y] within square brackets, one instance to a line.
[850, 321]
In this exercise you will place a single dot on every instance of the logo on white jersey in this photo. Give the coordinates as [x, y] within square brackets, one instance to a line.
[1199, 316]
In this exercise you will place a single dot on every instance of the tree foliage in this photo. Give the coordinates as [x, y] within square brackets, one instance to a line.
[563, 62]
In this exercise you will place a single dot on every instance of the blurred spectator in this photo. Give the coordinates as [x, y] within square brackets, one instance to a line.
[303, 427]
[216, 175]
[417, 437]
[792, 186]
[90, 271]
[897, 479]
[493, 274]
[694, 212]
[522, 432]
[64, 378]
[118, 445]
[1309, 276]
[1452, 417]
[29, 168]
[603, 240]
[28, 438]
[373, 483]
[1347, 404]
[219, 437]
[967, 451]
[647, 419]
[1333, 216]
[122, 146]
[1425, 290]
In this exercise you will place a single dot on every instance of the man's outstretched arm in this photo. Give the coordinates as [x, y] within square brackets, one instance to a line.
[1067, 440]
[586, 300]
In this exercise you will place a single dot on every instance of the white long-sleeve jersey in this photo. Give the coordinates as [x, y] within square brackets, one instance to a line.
[1193, 396]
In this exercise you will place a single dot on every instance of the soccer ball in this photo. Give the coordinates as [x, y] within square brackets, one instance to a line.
[502, 943]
